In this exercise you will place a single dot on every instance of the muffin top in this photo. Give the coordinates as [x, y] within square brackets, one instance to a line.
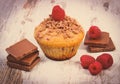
[59, 29]
[66, 30]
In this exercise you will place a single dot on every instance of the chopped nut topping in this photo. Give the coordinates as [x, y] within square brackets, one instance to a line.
[67, 27]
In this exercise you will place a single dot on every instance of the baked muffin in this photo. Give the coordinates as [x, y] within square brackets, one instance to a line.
[59, 38]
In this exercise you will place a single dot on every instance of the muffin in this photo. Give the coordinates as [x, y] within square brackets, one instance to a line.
[59, 38]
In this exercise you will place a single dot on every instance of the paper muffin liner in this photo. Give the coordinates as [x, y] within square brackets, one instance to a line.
[59, 53]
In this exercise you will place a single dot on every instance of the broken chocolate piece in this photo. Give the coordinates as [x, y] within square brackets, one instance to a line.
[25, 61]
[21, 49]
[109, 47]
[23, 67]
[101, 42]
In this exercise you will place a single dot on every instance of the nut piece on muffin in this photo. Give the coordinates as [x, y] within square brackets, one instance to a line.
[59, 35]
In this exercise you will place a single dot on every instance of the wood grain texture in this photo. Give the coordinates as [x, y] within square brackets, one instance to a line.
[9, 75]
[17, 23]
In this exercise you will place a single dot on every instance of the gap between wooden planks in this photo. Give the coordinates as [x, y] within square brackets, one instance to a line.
[9, 75]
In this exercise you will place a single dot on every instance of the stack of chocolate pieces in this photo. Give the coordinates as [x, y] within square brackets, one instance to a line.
[104, 43]
[23, 55]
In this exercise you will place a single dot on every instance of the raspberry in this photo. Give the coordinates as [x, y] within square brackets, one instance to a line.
[95, 68]
[94, 32]
[106, 60]
[86, 60]
[58, 13]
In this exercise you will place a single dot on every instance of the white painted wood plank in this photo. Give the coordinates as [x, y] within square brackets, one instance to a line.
[20, 23]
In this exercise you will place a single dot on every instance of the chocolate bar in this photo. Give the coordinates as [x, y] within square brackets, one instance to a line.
[25, 61]
[21, 49]
[109, 47]
[23, 67]
[100, 42]
[22, 55]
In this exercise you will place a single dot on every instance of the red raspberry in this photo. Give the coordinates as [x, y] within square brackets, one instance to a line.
[106, 60]
[86, 60]
[95, 68]
[58, 13]
[94, 32]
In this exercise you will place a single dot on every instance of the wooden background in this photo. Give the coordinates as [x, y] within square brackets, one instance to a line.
[18, 20]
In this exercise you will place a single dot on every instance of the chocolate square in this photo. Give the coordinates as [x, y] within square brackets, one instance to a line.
[21, 49]
[110, 47]
[23, 67]
[100, 42]
[25, 61]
